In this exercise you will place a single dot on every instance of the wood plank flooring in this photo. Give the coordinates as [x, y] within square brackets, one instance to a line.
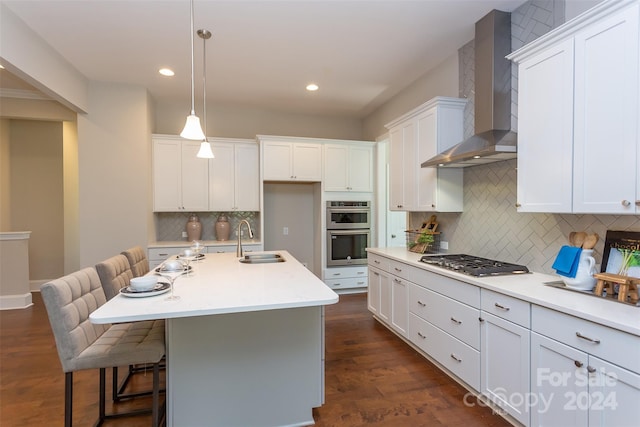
[372, 378]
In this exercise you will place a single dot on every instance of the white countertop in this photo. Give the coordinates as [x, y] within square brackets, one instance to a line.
[185, 244]
[221, 284]
[531, 288]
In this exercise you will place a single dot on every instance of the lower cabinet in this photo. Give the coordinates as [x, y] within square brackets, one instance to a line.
[350, 279]
[379, 294]
[571, 385]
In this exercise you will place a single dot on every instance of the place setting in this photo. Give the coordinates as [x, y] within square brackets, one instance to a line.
[145, 286]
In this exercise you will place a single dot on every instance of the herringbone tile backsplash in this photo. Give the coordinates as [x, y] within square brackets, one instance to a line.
[490, 226]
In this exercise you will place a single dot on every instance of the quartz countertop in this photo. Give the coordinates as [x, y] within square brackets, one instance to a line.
[531, 287]
[185, 244]
[221, 284]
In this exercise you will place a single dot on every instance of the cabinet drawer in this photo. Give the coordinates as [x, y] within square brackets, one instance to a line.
[509, 308]
[378, 261]
[160, 254]
[612, 345]
[402, 270]
[462, 360]
[343, 272]
[460, 291]
[347, 283]
[455, 318]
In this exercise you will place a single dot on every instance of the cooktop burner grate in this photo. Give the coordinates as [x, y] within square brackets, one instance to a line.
[473, 265]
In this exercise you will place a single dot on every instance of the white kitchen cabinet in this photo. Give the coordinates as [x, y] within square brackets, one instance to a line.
[415, 137]
[379, 294]
[504, 359]
[234, 176]
[582, 373]
[347, 279]
[577, 114]
[180, 179]
[505, 352]
[233, 246]
[348, 167]
[291, 161]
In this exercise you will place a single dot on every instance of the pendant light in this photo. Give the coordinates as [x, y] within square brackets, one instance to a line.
[205, 148]
[192, 128]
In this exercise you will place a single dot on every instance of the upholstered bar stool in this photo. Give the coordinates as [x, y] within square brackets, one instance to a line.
[137, 260]
[84, 345]
[115, 273]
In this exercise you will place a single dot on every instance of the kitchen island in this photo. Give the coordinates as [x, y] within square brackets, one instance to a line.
[245, 342]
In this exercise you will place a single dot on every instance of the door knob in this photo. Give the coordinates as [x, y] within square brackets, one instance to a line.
[626, 203]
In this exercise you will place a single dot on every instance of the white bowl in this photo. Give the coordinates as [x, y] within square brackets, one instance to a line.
[143, 283]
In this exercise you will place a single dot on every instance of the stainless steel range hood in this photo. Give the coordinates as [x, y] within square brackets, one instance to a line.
[493, 140]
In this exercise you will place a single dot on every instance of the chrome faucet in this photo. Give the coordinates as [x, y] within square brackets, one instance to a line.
[239, 253]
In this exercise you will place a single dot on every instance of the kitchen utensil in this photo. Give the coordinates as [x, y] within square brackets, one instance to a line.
[572, 238]
[590, 241]
[579, 238]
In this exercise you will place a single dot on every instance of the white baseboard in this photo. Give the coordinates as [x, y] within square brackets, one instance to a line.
[34, 285]
[12, 302]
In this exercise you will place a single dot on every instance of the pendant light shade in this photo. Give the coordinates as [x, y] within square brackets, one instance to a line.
[192, 128]
[205, 151]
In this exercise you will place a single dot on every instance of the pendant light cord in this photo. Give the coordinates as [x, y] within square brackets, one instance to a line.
[193, 86]
[204, 83]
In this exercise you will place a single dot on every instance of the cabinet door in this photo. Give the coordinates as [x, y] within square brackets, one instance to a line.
[385, 297]
[307, 162]
[504, 359]
[401, 170]
[606, 116]
[399, 305]
[426, 148]
[360, 169]
[166, 176]
[557, 371]
[277, 157]
[247, 177]
[545, 131]
[195, 178]
[614, 394]
[373, 293]
[221, 171]
[336, 171]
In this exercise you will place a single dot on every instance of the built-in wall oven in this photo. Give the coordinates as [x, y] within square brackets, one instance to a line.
[348, 232]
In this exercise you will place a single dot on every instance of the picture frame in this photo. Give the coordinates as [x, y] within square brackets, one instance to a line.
[621, 249]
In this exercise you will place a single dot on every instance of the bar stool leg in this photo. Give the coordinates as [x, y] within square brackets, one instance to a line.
[68, 399]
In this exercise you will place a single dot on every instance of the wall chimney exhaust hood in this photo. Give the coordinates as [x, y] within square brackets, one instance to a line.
[494, 141]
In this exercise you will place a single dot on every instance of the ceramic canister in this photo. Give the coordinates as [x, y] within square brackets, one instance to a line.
[194, 228]
[584, 279]
[223, 228]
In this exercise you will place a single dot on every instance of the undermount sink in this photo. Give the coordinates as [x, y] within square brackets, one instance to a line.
[262, 259]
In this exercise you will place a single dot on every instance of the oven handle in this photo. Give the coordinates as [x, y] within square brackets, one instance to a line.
[352, 231]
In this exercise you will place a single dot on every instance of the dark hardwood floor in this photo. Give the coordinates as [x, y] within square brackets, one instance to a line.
[372, 378]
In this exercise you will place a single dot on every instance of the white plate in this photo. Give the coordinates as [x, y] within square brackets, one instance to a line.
[198, 257]
[160, 288]
[184, 270]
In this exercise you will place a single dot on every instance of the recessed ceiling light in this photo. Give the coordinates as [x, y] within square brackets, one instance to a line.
[312, 87]
[166, 72]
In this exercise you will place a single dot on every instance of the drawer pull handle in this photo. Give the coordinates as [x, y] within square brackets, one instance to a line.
[579, 335]
[421, 336]
[420, 303]
[591, 369]
[397, 269]
[376, 261]
[360, 283]
[626, 203]
[376, 273]
[337, 274]
[397, 280]
[453, 356]
[163, 254]
[578, 363]
[360, 272]
[502, 307]
[456, 321]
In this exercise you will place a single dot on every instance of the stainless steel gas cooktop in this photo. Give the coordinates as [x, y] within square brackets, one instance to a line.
[473, 265]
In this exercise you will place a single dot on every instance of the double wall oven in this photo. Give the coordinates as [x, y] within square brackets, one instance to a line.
[348, 232]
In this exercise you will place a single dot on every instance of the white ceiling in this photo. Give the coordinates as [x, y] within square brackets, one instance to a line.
[262, 53]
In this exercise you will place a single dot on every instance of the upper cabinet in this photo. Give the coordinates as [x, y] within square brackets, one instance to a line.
[415, 137]
[348, 166]
[577, 115]
[234, 176]
[284, 160]
[180, 179]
